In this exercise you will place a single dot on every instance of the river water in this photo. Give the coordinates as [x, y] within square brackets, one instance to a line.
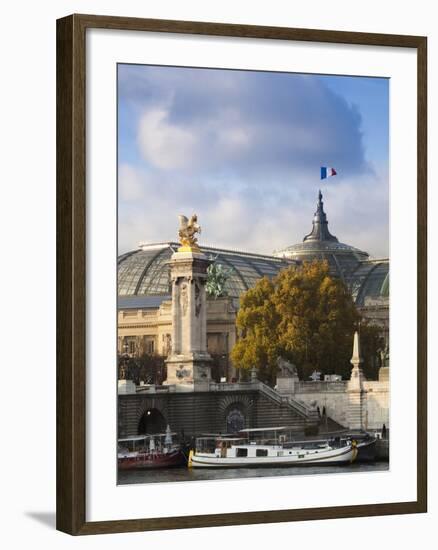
[203, 474]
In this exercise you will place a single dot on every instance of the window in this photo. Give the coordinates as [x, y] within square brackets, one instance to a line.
[150, 346]
[261, 452]
[241, 452]
[129, 345]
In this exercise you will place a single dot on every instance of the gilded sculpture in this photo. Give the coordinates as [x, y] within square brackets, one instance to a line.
[187, 233]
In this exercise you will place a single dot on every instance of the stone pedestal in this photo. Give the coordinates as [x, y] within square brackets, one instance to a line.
[384, 374]
[125, 387]
[188, 365]
[287, 384]
[287, 377]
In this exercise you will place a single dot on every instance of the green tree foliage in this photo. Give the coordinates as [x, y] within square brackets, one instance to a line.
[304, 315]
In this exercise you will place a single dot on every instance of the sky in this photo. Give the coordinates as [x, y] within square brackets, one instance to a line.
[243, 150]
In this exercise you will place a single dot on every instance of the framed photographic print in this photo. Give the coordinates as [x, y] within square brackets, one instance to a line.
[241, 229]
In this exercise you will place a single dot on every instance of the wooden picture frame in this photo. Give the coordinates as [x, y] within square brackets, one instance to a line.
[71, 273]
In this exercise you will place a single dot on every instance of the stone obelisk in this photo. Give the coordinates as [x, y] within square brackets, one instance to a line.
[355, 389]
[188, 364]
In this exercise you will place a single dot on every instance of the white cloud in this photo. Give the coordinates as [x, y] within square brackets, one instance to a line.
[163, 144]
[243, 151]
[233, 138]
[131, 184]
[258, 219]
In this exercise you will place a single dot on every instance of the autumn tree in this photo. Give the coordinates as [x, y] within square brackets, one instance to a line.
[303, 314]
[258, 321]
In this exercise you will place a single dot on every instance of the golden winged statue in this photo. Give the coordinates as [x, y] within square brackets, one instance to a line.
[187, 233]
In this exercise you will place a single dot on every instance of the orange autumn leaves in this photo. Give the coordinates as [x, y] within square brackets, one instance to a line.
[303, 314]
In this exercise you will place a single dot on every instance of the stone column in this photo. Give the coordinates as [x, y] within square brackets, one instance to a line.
[188, 365]
[355, 390]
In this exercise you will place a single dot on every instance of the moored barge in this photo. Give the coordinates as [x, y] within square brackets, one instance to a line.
[268, 447]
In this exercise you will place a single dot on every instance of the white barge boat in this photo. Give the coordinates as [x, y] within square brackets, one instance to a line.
[251, 448]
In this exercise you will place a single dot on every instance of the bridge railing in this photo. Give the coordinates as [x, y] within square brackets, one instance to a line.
[152, 388]
[232, 386]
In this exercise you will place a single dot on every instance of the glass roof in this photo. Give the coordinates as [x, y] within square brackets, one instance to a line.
[146, 271]
[370, 280]
[342, 259]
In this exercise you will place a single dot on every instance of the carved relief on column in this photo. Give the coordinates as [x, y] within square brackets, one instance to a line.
[184, 313]
[176, 335]
[184, 298]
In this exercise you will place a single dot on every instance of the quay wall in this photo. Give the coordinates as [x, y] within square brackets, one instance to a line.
[329, 395]
[201, 412]
[377, 404]
[254, 405]
[336, 399]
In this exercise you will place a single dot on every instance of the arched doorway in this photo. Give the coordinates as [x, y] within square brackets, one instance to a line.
[152, 422]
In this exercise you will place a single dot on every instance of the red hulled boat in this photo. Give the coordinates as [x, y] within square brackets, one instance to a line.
[150, 451]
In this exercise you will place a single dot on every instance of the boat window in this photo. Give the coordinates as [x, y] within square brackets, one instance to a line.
[262, 452]
[205, 445]
[241, 452]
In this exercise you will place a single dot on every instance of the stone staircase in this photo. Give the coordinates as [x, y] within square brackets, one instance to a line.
[298, 407]
[304, 411]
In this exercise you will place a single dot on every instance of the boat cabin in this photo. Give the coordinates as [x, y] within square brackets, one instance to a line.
[216, 445]
[240, 447]
[132, 444]
[147, 443]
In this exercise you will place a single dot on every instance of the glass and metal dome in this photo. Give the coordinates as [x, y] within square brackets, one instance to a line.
[145, 272]
[367, 279]
[320, 244]
[369, 282]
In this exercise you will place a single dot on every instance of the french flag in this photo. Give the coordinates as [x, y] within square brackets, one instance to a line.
[327, 172]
